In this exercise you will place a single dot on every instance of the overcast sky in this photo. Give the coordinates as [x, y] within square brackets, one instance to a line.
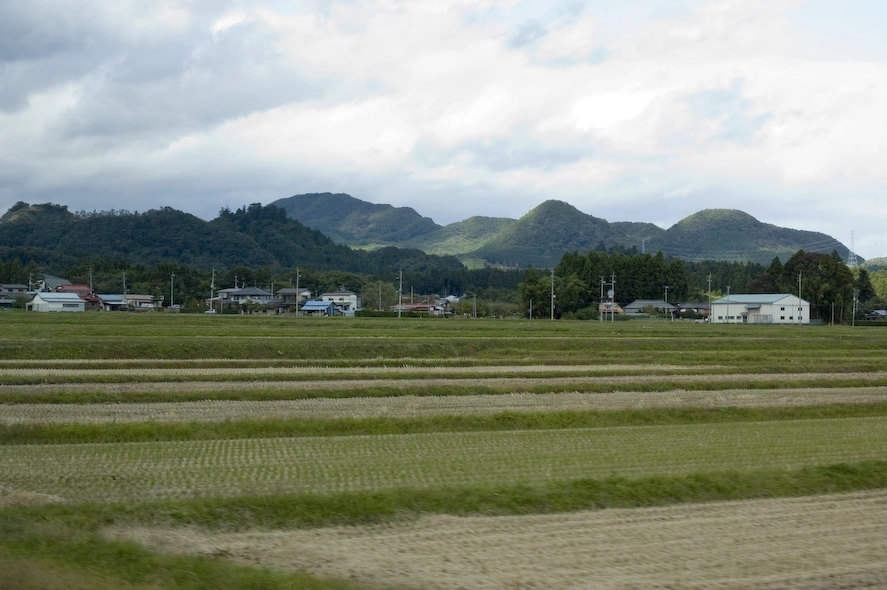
[630, 110]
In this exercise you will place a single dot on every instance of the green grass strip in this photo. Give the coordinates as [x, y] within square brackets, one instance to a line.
[20, 434]
[34, 556]
[352, 508]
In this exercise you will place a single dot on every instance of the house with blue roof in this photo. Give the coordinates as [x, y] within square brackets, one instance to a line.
[319, 308]
[748, 308]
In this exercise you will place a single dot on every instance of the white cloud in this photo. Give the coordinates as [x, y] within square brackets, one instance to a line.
[629, 111]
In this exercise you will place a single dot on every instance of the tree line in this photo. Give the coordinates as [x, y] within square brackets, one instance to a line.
[579, 280]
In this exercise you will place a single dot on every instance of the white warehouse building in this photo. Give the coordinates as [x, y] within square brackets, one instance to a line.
[56, 302]
[743, 308]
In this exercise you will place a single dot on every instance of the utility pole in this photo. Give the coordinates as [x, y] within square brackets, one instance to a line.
[125, 304]
[400, 294]
[709, 298]
[172, 284]
[298, 293]
[728, 304]
[600, 315]
[212, 289]
[855, 300]
[666, 301]
[800, 307]
[552, 294]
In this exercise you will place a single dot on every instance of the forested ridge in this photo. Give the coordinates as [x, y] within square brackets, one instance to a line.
[160, 250]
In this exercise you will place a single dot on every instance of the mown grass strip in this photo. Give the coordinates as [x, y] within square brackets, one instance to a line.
[270, 391]
[45, 376]
[33, 434]
[352, 508]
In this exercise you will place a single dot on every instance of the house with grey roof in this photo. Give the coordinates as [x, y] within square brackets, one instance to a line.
[638, 307]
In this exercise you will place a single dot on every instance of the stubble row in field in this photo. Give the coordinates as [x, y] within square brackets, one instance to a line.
[139, 471]
[814, 543]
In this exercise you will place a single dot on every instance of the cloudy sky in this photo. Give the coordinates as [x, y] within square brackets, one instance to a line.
[630, 110]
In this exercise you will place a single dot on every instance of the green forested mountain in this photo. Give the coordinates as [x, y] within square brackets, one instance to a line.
[541, 237]
[354, 222]
[728, 234]
[462, 236]
[253, 236]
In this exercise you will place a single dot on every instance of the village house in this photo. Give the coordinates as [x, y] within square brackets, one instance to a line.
[289, 298]
[640, 307]
[12, 290]
[241, 295]
[347, 301]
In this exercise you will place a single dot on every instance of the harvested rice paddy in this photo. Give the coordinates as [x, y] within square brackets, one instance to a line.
[445, 454]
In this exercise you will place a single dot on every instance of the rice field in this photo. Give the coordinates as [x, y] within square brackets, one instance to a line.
[419, 438]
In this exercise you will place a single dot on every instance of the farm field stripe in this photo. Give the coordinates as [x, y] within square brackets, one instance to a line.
[307, 510]
[119, 472]
[411, 406]
[269, 390]
[66, 433]
[817, 542]
[296, 374]
[15, 376]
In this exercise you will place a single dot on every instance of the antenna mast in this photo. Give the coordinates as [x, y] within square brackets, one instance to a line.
[852, 262]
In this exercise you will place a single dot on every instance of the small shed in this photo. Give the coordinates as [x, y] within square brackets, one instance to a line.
[112, 302]
[319, 308]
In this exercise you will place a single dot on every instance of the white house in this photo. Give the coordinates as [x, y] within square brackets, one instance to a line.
[742, 308]
[344, 299]
[246, 294]
[56, 302]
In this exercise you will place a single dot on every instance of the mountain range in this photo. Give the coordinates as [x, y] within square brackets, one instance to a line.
[339, 232]
[253, 236]
[541, 237]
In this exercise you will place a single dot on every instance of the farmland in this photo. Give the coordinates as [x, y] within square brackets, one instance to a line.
[138, 449]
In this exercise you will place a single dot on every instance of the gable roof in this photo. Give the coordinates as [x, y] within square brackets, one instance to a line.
[753, 298]
[339, 293]
[111, 298]
[642, 303]
[315, 305]
[252, 291]
[50, 296]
